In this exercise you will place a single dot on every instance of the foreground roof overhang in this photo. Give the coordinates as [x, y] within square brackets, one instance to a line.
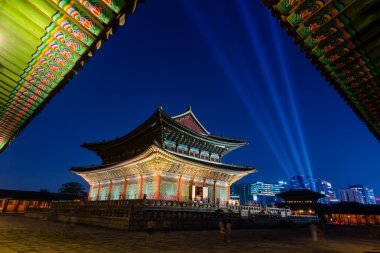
[42, 46]
[342, 39]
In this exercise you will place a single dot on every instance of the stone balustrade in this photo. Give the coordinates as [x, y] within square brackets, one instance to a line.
[133, 214]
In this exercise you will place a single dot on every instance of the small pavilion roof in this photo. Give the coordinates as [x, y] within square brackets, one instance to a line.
[42, 46]
[342, 39]
[300, 195]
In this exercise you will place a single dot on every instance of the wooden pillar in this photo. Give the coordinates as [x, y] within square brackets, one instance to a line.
[199, 153]
[209, 156]
[220, 158]
[89, 192]
[98, 193]
[141, 187]
[5, 205]
[229, 193]
[203, 187]
[192, 195]
[16, 206]
[110, 191]
[214, 192]
[123, 195]
[176, 147]
[158, 183]
[179, 194]
[188, 150]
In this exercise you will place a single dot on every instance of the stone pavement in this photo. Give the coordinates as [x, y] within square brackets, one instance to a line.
[27, 235]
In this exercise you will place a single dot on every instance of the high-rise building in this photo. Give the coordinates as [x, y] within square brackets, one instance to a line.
[241, 192]
[324, 187]
[314, 184]
[298, 183]
[367, 193]
[258, 192]
[351, 195]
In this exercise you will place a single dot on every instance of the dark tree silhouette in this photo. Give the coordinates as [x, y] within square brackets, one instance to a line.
[74, 188]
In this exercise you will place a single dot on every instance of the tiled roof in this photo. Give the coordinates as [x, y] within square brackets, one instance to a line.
[42, 46]
[342, 39]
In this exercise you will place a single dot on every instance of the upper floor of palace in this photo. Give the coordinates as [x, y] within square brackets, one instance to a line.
[182, 134]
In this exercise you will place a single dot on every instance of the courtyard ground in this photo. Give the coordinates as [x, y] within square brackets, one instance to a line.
[26, 235]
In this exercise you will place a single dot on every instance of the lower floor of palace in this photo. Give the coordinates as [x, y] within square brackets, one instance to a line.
[161, 186]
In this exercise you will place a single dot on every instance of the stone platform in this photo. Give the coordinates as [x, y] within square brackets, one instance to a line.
[133, 215]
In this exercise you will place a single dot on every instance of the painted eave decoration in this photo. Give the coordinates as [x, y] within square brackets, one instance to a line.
[43, 43]
[342, 39]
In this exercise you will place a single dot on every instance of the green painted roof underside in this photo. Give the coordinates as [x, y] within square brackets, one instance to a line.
[42, 45]
[342, 38]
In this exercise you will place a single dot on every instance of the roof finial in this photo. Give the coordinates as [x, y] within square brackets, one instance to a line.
[160, 108]
[189, 107]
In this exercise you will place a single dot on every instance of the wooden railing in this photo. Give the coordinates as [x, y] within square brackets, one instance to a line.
[260, 209]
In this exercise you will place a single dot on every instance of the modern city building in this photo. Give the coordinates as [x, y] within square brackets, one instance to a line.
[165, 158]
[241, 192]
[258, 192]
[351, 195]
[314, 184]
[325, 188]
[367, 193]
[299, 183]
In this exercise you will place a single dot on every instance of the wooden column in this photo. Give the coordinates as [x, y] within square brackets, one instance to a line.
[199, 153]
[5, 206]
[214, 192]
[110, 191]
[179, 194]
[220, 158]
[98, 194]
[158, 183]
[176, 147]
[16, 206]
[89, 192]
[123, 195]
[191, 189]
[203, 187]
[228, 189]
[141, 187]
[209, 156]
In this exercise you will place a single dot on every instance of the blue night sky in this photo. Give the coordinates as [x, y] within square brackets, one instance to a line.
[241, 73]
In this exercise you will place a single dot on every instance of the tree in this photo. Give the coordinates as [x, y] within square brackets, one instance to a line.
[73, 188]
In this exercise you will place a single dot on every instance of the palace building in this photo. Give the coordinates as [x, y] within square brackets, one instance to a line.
[165, 158]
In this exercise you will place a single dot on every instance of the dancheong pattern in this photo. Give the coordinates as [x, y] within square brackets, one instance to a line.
[342, 39]
[42, 45]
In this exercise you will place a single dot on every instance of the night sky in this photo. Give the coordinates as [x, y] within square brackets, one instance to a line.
[241, 73]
